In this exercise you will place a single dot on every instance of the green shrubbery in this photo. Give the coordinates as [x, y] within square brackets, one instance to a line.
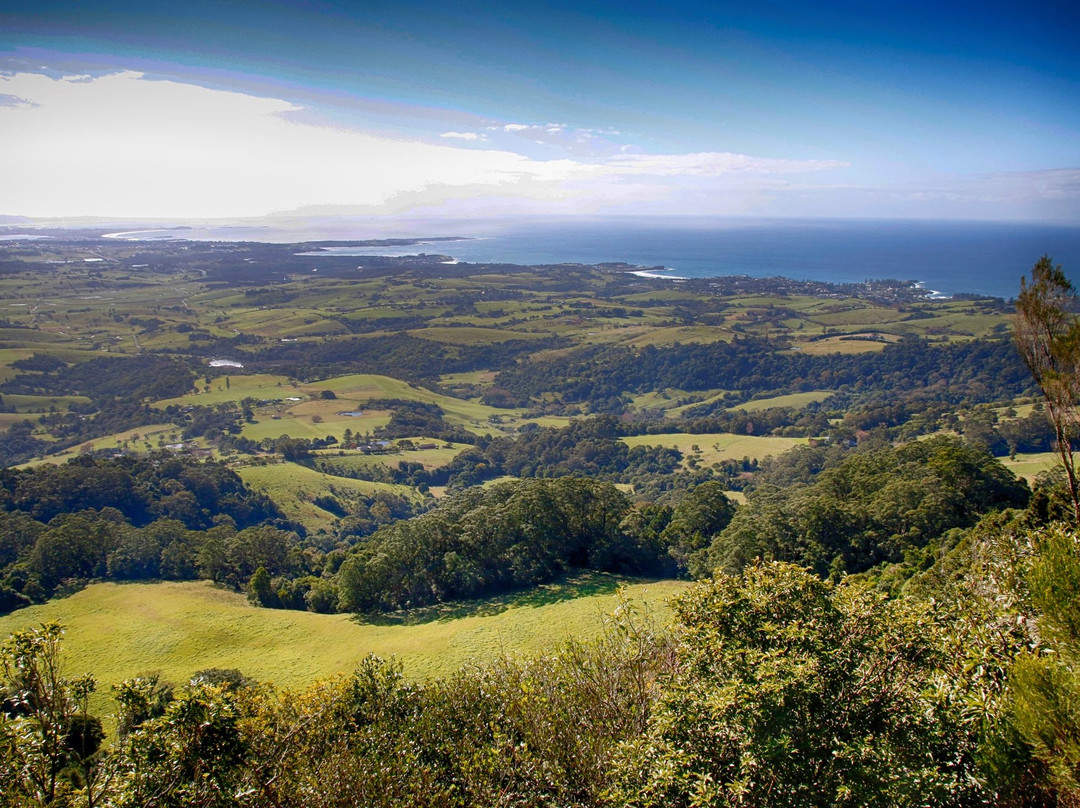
[775, 688]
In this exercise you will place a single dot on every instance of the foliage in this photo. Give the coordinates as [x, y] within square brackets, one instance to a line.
[979, 370]
[1046, 684]
[515, 731]
[1047, 333]
[788, 691]
[511, 535]
[872, 507]
[104, 379]
[48, 740]
[134, 519]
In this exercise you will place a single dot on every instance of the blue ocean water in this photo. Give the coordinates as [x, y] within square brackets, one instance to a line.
[947, 257]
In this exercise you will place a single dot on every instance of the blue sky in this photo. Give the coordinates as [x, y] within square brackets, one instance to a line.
[903, 109]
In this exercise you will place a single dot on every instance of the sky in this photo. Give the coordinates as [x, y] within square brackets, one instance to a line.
[199, 110]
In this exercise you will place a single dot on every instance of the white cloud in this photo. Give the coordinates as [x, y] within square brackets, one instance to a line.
[122, 145]
[464, 136]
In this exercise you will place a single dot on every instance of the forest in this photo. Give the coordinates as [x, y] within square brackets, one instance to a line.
[870, 494]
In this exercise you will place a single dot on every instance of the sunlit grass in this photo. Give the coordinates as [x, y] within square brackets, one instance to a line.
[713, 448]
[117, 631]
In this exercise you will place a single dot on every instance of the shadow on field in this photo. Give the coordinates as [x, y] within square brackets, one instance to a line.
[568, 588]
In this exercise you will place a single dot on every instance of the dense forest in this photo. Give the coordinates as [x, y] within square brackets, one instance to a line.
[978, 370]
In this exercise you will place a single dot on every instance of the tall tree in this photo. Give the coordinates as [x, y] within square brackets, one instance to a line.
[1047, 334]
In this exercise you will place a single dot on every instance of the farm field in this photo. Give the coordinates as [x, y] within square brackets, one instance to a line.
[856, 343]
[713, 448]
[795, 400]
[117, 631]
[1029, 466]
[143, 438]
[294, 487]
[428, 458]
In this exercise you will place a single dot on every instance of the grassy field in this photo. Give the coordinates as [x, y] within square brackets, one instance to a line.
[796, 400]
[116, 631]
[42, 403]
[144, 438]
[294, 487]
[714, 448]
[471, 336]
[1029, 466]
[428, 458]
[256, 385]
[842, 345]
[311, 416]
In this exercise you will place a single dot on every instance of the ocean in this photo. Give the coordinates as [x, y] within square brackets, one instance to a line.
[947, 257]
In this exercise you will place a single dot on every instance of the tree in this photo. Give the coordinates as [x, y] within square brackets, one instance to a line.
[259, 589]
[702, 514]
[1046, 681]
[789, 691]
[1047, 333]
[45, 725]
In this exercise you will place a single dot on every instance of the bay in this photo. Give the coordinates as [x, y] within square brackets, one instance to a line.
[948, 257]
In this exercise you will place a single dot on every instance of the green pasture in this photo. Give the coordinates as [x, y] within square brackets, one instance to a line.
[9, 355]
[795, 400]
[23, 403]
[141, 438]
[664, 399]
[481, 377]
[466, 335]
[958, 323]
[660, 295]
[260, 386]
[669, 335]
[294, 487]
[1029, 466]
[18, 337]
[8, 419]
[839, 345]
[315, 416]
[1020, 411]
[303, 421]
[702, 397]
[283, 321]
[428, 458]
[360, 388]
[713, 448]
[761, 301]
[860, 318]
[117, 631]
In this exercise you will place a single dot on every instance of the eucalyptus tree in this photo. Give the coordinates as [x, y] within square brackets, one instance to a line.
[1047, 333]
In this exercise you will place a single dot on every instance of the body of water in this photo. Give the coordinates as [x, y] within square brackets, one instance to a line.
[947, 257]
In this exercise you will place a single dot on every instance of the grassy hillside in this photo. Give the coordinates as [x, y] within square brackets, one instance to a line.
[721, 446]
[294, 488]
[1029, 466]
[117, 631]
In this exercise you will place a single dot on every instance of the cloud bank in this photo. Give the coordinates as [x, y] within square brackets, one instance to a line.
[122, 144]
